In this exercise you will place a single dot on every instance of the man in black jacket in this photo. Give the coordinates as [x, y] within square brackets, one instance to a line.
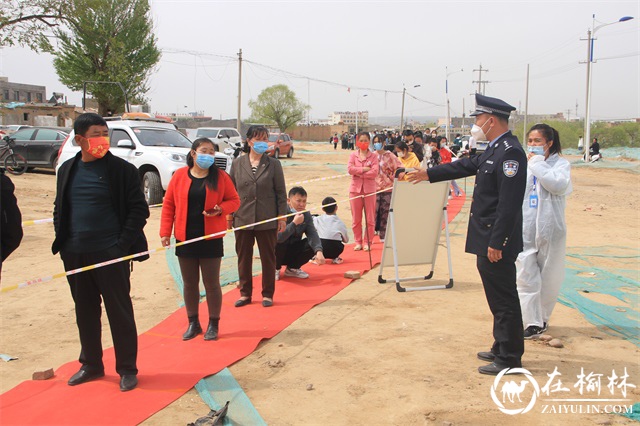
[99, 213]
[495, 224]
[10, 218]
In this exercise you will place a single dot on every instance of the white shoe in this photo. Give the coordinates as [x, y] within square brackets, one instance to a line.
[296, 273]
[358, 247]
[277, 274]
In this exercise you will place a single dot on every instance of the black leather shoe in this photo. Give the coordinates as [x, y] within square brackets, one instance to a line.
[267, 303]
[212, 331]
[193, 330]
[128, 382]
[492, 369]
[242, 302]
[84, 376]
[486, 356]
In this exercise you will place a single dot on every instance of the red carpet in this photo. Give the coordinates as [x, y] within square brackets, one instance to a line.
[170, 367]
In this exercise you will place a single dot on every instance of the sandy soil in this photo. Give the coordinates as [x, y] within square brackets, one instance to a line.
[373, 355]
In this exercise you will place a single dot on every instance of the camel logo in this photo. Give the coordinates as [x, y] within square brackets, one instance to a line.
[515, 393]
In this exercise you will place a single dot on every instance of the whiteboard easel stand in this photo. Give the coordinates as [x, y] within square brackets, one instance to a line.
[398, 280]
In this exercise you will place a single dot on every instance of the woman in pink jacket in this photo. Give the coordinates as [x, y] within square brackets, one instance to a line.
[363, 168]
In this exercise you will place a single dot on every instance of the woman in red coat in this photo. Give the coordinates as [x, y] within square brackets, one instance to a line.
[198, 198]
[363, 168]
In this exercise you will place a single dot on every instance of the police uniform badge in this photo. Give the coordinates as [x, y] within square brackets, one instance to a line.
[510, 168]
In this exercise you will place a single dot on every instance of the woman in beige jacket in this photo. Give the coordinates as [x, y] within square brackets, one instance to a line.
[259, 180]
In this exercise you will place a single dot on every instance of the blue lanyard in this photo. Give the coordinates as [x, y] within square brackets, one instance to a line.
[534, 184]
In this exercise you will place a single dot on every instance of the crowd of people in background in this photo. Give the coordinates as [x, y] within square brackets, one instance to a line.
[254, 201]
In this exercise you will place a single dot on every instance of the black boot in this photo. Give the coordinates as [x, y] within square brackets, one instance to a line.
[193, 330]
[212, 329]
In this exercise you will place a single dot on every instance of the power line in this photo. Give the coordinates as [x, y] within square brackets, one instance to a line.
[280, 72]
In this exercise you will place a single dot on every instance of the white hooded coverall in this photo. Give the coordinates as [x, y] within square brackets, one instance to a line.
[540, 266]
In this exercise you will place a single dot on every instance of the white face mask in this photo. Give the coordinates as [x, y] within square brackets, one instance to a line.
[477, 133]
[401, 154]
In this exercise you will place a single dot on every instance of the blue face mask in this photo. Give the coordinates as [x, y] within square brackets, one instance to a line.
[377, 146]
[204, 161]
[260, 147]
[537, 150]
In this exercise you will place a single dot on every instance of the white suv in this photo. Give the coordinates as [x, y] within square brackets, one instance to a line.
[222, 137]
[156, 148]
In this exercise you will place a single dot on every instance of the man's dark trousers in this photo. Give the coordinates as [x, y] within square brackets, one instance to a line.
[113, 284]
[499, 281]
[294, 255]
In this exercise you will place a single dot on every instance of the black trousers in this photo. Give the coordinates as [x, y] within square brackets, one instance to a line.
[499, 281]
[331, 249]
[294, 255]
[109, 284]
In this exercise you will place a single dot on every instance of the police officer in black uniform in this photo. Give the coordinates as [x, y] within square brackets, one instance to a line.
[495, 224]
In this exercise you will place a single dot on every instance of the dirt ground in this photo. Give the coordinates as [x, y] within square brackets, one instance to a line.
[372, 354]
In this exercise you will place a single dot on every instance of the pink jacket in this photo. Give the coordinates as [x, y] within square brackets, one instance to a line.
[363, 182]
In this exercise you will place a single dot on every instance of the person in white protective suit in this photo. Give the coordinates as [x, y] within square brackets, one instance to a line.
[540, 265]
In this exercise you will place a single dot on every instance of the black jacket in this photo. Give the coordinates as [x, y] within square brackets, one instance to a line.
[127, 199]
[496, 211]
[10, 218]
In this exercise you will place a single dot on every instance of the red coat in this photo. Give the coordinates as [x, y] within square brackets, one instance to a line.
[445, 155]
[176, 200]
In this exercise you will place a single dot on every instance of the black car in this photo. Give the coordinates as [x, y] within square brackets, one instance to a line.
[40, 145]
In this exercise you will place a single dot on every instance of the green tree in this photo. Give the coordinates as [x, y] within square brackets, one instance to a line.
[110, 41]
[30, 22]
[277, 105]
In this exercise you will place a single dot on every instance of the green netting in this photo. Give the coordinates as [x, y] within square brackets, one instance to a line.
[217, 389]
[583, 277]
[630, 166]
[228, 268]
[635, 414]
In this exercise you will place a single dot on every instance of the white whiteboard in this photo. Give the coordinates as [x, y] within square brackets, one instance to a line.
[417, 216]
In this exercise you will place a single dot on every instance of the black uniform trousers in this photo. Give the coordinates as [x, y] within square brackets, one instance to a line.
[499, 281]
[111, 283]
[294, 254]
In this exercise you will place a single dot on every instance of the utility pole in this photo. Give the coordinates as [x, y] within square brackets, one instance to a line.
[526, 106]
[402, 113]
[568, 115]
[463, 115]
[481, 83]
[308, 107]
[587, 124]
[238, 122]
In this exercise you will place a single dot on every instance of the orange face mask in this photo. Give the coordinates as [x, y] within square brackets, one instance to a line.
[98, 146]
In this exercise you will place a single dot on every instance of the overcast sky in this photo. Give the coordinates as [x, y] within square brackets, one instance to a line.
[382, 45]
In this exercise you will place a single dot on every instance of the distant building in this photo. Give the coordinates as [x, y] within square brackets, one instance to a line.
[18, 92]
[536, 118]
[348, 117]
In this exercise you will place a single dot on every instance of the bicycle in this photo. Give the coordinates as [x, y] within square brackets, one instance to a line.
[13, 163]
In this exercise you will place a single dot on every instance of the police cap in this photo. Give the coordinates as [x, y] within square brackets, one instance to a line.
[495, 106]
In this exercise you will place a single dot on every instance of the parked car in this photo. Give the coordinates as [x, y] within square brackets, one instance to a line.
[40, 145]
[9, 129]
[280, 144]
[155, 147]
[223, 137]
